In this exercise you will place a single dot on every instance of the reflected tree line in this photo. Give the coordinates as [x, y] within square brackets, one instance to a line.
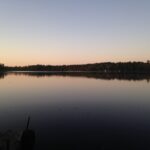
[94, 75]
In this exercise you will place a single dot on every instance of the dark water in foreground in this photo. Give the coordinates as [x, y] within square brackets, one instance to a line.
[78, 111]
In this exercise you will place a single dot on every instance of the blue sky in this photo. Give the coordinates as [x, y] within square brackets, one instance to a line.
[74, 31]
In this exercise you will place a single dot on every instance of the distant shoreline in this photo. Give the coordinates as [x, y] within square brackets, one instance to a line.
[98, 72]
[107, 67]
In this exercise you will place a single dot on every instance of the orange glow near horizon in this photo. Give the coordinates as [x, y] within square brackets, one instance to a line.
[24, 61]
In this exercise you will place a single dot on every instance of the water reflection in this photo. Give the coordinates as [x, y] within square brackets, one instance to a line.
[95, 75]
[73, 111]
[2, 75]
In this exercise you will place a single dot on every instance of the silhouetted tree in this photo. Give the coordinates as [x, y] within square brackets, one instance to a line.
[1, 67]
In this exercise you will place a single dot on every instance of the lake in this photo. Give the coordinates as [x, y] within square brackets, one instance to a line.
[78, 110]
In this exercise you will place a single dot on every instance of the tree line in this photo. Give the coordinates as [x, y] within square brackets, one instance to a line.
[107, 67]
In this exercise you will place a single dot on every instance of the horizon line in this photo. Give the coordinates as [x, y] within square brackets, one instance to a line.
[148, 61]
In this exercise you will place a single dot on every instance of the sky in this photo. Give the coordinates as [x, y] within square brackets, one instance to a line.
[74, 31]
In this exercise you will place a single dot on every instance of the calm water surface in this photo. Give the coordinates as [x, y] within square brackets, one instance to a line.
[77, 112]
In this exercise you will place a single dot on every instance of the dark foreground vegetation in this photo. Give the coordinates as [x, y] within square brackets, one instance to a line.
[108, 67]
[86, 134]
